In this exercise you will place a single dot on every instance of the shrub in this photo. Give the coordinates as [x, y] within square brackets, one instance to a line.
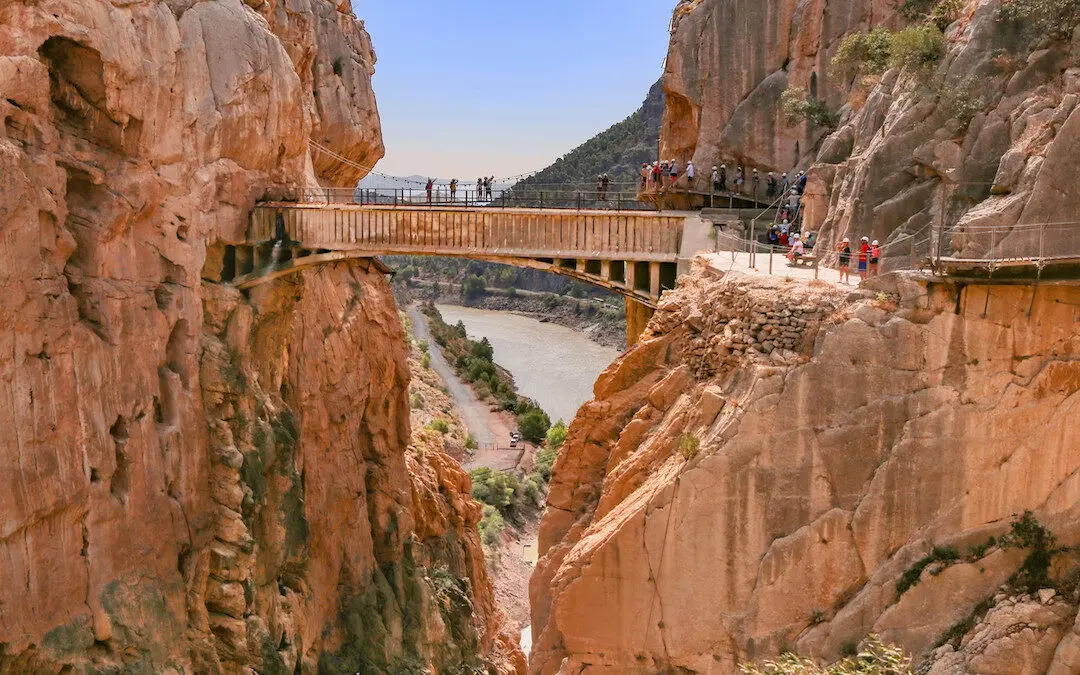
[473, 287]
[863, 53]
[534, 425]
[916, 47]
[943, 554]
[495, 488]
[417, 401]
[873, 658]
[689, 446]
[531, 488]
[964, 101]
[798, 106]
[423, 346]
[470, 442]
[438, 425]
[1056, 18]
[491, 526]
[425, 361]
[556, 435]
[545, 460]
[1028, 533]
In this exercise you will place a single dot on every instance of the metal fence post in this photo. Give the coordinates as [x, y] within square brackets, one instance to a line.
[753, 241]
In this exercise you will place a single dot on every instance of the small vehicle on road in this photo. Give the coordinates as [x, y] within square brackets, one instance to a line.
[515, 439]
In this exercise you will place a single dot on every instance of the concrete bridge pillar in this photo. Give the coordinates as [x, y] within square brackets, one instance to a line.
[637, 319]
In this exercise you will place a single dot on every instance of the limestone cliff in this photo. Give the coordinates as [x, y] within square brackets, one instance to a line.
[981, 138]
[779, 465]
[194, 479]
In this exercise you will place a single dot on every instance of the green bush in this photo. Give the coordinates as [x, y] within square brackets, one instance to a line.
[473, 287]
[917, 47]
[689, 446]
[532, 488]
[425, 361]
[798, 106]
[1055, 18]
[417, 401]
[491, 526]
[495, 488]
[438, 425]
[1027, 533]
[545, 460]
[534, 424]
[423, 346]
[470, 442]
[863, 53]
[556, 435]
[943, 554]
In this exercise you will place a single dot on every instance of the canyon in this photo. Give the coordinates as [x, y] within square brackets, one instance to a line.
[199, 478]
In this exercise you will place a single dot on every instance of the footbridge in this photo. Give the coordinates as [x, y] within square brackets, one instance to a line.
[634, 252]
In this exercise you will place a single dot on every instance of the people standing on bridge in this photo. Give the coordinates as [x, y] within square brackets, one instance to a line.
[740, 179]
[605, 183]
[864, 258]
[845, 261]
[723, 178]
[490, 186]
[673, 171]
[756, 181]
[690, 171]
[453, 189]
[599, 187]
[645, 177]
[428, 187]
[875, 257]
[802, 182]
[656, 174]
[785, 184]
[770, 185]
[479, 189]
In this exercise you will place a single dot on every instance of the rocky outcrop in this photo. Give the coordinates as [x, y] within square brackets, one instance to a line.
[779, 465]
[978, 141]
[730, 60]
[196, 479]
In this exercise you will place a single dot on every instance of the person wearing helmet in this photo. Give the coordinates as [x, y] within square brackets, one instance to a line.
[644, 177]
[756, 181]
[690, 172]
[875, 257]
[740, 179]
[770, 185]
[673, 171]
[864, 257]
[723, 178]
[656, 174]
[798, 249]
[845, 260]
[785, 184]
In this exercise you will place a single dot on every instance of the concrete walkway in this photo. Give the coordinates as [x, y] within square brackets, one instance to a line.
[740, 262]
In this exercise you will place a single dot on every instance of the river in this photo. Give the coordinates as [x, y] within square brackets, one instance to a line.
[551, 364]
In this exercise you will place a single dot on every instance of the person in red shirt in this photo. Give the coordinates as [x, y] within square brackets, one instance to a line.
[864, 257]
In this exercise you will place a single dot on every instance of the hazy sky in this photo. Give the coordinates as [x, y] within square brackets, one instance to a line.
[503, 87]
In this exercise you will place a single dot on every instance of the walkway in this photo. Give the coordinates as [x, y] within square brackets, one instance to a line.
[474, 413]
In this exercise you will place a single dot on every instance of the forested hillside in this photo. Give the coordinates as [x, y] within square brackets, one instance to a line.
[618, 152]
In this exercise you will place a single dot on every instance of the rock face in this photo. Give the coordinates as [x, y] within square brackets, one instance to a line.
[194, 479]
[980, 141]
[762, 470]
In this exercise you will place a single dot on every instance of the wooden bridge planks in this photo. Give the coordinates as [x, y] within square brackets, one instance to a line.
[529, 233]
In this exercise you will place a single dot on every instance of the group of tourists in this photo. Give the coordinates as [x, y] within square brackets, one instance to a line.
[603, 183]
[484, 186]
[660, 171]
[868, 258]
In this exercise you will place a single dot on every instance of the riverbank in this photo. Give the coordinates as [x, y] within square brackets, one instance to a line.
[599, 321]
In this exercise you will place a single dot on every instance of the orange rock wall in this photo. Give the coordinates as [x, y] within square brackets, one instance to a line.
[192, 479]
[760, 470]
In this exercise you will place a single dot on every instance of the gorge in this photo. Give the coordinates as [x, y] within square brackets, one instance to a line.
[201, 478]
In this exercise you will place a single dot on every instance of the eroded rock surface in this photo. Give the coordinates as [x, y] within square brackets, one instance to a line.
[763, 468]
[981, 140]
[194, 479]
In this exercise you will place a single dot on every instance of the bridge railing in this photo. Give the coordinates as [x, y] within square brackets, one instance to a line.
[541, 197]
[1034, 246]
[641, 236]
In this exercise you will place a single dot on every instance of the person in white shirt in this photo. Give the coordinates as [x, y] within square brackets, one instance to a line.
[798, 249]
[690, 175]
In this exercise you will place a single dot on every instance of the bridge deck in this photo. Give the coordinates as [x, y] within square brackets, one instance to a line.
[639, 236]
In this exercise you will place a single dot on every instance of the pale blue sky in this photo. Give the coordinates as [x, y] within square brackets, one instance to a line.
[503, 87]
